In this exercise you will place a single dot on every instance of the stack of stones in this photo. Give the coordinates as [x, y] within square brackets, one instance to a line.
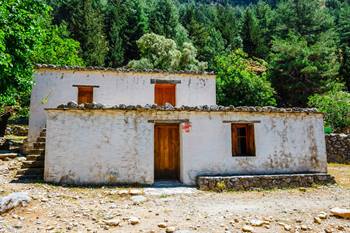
[338, 148]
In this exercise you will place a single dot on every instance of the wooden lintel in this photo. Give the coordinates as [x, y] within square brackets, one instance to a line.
[169, 121]
[241, 122]
[165, 81]
[94, 86]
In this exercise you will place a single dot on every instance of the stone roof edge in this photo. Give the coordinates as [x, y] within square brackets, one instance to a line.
[121, 69]
[169, 107]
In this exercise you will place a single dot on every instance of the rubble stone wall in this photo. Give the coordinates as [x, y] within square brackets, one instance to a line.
[241, 183]
[338, 148]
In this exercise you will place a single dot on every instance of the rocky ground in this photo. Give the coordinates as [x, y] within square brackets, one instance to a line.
[181, 210]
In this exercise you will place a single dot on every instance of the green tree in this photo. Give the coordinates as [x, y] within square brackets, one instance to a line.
[250, 33]
[164, 20]
[243, 81]
[344, 33]
[55, 47]
[304, 53]
[86, 24]
[126, 22]
[335, 104]
[162, 53]
[229, 24]
[27, 36]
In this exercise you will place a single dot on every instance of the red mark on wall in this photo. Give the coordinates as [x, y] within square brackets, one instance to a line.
[186, 127]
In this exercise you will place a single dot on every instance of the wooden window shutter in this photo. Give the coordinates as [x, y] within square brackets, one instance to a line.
[250, 139]
[85, 94]
[234, 139]
[165, 93]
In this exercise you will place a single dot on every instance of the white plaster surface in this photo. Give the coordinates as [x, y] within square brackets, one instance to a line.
[55, 87]
[115, 146]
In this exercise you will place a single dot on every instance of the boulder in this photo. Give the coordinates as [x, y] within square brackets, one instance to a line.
[13, 200]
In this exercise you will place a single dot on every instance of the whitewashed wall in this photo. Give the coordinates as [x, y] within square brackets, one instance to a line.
[55, 87]
[114, 146]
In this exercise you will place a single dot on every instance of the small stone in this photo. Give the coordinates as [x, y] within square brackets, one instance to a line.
[247, 228]
[162, 225]
[303, 227]
[134, 220]
[317, 220]
[49, 228]
[135, 192]
[112, 222]
[256, 223]
[322, 215]
[287, 227]
[328, 230]
[138, 199]
[170, 229]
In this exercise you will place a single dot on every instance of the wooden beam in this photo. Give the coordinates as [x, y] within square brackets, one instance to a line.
[165, 81]
[169, 121]
[242, 122]
[86, 86]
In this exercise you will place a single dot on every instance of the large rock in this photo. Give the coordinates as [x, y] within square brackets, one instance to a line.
[13, 200]
[339, 212]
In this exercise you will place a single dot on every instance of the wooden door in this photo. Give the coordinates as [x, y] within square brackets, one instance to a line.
[165, 93]
[85, 94]
[166, 152]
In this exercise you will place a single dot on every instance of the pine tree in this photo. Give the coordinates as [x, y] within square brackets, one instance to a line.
[250, 33]
[126, 22]
[344, 33]
[164, 20]
[86, 24]
[304, 53]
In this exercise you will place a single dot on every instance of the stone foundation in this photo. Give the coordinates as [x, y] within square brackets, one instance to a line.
[338, 148]
[256, 182]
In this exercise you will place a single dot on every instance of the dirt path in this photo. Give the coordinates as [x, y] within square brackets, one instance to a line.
[63, 209]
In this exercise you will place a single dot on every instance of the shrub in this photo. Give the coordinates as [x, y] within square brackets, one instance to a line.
[335, 104]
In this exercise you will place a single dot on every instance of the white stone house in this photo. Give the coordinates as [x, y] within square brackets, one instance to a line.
[126, 138]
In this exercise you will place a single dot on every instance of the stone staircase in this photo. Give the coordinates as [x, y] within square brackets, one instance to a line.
[33, 167]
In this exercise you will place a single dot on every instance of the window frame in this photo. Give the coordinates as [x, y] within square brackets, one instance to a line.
[249, 138]
[88, 89]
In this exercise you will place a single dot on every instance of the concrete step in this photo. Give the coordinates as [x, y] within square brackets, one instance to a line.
[41, 139]
[31, 171]
[33, 164]
[37, 151]
[35, 157]
[7, 154]
[43, 133]
[39, 145]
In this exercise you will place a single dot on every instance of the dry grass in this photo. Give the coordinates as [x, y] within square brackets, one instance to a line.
[341, 173]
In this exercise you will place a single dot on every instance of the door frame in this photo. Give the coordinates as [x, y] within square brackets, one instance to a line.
[178, 175]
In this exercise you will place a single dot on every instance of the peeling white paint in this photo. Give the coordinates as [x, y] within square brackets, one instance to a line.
[115, 146]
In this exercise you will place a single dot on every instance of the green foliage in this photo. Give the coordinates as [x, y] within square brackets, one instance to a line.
[126, 22]
[243, 81]
[55, 47]
[344, 34]
[27, 36]
[303, 58]
[335, 104]
[162, 53]
[164, 20]
[86, 24]
[250, 33]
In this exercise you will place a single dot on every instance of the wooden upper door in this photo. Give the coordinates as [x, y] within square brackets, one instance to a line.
[166, 152]
[85, 94]
[165, 93]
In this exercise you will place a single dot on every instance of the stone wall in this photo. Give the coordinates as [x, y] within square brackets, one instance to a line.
[338, 148]
[242, 183]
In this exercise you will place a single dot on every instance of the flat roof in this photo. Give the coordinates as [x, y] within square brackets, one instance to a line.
[169, 107]
[120, 69]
